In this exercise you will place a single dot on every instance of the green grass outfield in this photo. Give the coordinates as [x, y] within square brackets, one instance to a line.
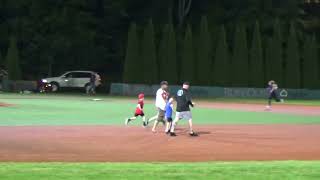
[49, 110]
[286, 170]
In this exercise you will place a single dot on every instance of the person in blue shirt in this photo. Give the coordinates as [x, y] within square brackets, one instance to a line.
[168, 114]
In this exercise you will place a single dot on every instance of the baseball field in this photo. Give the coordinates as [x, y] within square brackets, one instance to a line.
[75, 137]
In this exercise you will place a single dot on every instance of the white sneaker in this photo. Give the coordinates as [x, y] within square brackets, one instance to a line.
[268, 108]
[127, 121]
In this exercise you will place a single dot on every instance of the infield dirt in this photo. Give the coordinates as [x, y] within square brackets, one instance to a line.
[135, 144]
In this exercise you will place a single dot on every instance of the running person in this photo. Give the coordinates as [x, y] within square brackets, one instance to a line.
[139, 111]
[184, 102]
[161, 101]
[272, 94]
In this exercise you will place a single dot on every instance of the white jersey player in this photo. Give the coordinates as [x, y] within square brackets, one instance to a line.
[161, 101]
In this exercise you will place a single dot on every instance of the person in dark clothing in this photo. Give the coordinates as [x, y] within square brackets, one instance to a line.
[184, 101]
[92, 89]
[273, 93]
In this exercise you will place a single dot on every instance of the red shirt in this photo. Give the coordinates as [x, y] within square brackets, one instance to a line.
[138, 110]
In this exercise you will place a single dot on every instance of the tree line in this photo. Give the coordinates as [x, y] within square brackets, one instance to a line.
[11, 60]
[241, 55]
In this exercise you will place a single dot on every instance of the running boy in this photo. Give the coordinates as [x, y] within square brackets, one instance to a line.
[139, 111]
[272, 93]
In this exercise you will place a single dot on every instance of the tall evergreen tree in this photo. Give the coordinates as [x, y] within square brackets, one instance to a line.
[12, 60]
[292, 75]
[187, 72]
[172, 65]
[148, 50]
[293, 8]
[268, 66]
[240, 63]
[131, 65]
[204, 56]
[311, 64]
[221, 69]
[163, 50]
[256, 59]
[276, 68]
[1, 59]
[167, 55]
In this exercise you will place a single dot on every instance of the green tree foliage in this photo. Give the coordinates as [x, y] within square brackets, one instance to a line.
[292, 72]
[274, 55]
[163, 50]
[167, 55]
[256, 59]
[311, 64]
[204, 55]
[1, 59]
[132, 69]
[188, 59]
[240, 63]
[172, 56]
[269, 75]
[13, 61]
[276, 68]
[293, 8]
[221, 68]
[148, 55]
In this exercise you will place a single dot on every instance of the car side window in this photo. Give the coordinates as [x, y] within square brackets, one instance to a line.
[81, 75]
[69, 75]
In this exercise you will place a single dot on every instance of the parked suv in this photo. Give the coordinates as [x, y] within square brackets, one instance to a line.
[71, 79]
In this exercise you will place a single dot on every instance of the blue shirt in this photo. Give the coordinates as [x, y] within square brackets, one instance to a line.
[168, 110]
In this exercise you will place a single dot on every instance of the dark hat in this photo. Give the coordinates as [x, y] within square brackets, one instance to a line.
[164, 83]
[186, 83]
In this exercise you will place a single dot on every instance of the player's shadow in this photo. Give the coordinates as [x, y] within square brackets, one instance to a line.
[199, 133]
[203, 132]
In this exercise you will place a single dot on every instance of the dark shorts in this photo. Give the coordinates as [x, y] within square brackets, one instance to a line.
[139, 114]
[274, 95]
[169, 119]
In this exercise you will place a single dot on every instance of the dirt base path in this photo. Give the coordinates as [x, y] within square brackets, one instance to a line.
[135, 144]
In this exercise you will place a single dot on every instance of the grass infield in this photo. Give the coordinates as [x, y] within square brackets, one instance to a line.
[292, 170]
[54, 110]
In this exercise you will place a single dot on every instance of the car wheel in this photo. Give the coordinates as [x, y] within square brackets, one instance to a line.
[55, 87]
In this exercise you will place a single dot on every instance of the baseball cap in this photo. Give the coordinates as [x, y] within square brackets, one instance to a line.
[141, 95]
[164, 83]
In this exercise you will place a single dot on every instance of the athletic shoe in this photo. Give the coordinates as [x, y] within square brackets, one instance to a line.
[127, 121]
[172, 134]
[268, 108]
[193, 134]
[144, 124]
[167, 132]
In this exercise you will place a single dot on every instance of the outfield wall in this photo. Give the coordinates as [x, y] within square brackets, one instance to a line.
[214, 92]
